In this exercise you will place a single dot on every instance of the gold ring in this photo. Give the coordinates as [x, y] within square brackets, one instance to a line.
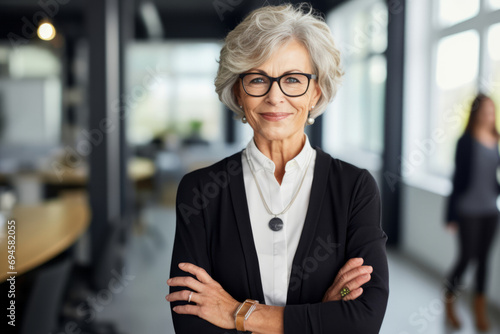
[344, 292]
[190, 295]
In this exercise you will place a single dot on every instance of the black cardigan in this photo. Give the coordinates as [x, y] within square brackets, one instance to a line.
[461, 178]
[342, 222]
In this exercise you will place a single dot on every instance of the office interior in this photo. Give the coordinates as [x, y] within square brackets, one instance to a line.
[106, 104]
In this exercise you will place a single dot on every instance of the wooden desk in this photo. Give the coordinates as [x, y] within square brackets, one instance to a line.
[44, 231]
[138, 169]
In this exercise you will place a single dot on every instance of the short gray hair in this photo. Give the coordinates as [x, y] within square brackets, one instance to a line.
[266, 29]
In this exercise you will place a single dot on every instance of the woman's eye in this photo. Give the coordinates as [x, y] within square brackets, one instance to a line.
[292, 80]
[258, 80]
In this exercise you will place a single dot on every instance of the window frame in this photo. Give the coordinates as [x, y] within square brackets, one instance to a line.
[359, 152]
[421, 94]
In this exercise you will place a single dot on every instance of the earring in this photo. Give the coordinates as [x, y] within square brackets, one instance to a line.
[310, 120]
[243, 119]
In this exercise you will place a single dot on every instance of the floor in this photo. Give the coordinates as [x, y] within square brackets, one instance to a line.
[415, 304]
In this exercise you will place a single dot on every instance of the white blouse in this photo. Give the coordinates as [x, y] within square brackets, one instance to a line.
[275, 250]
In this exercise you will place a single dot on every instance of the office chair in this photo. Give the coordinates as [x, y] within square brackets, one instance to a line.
[44, 303]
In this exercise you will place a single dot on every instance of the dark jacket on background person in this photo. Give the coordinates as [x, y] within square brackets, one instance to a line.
[213, 231]
[462, 175]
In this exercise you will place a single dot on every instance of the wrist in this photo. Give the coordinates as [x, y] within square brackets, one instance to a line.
[235, 311]
[266, 319]
[243, 312]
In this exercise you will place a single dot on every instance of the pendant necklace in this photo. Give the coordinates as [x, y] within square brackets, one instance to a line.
[276, 223]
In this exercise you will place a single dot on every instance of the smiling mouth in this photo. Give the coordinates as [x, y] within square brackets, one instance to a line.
[274, 117]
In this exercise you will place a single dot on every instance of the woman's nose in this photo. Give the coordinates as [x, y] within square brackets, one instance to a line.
[275, 95]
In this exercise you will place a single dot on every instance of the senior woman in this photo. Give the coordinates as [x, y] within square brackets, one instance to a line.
[280, 237]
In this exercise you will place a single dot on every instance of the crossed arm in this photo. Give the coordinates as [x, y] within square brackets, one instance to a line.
[213, 307]
[216, 306]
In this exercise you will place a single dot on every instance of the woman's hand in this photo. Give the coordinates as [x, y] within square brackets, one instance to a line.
[352, 276]
[213, 303]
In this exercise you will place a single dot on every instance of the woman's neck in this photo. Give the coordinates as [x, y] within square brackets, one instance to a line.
[281, 151]
[485, 136]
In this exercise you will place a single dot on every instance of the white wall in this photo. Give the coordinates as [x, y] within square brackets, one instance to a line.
[425, 238]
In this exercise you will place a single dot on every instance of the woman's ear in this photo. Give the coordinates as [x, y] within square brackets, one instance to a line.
[316, 96]
[236, 92]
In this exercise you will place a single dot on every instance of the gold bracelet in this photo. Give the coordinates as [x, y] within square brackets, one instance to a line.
[243, 312]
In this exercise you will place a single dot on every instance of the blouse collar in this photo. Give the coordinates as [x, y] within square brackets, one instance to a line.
[261, 162]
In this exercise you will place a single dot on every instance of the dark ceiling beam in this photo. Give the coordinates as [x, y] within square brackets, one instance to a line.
[194, 19]
[20, 23]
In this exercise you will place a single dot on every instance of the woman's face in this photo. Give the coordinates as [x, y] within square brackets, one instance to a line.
[486, 114]
[276, 116]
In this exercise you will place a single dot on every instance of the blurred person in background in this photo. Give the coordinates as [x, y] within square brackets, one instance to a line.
[472, 205]
[279, 237]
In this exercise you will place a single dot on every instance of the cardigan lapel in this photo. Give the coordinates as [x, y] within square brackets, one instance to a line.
[241, 212]
[318, 188]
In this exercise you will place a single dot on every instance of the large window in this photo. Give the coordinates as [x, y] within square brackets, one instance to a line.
[171, 94]
[454, 11]
[493, 64]
[457, 64]
[353, 126]
[452, 53]
[494, 4]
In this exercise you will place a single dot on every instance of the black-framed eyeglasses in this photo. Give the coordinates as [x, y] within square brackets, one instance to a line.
[291, 84]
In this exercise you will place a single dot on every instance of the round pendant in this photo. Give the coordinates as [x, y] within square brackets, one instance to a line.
[276, 224]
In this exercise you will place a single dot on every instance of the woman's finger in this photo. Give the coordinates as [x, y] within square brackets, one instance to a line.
[181, 295]
[212, 302]
[187, 281]
[187, 309]
[329, 295]
[354, 280]
[354, 294]
[199, 272]
[350, 265]
[356, 284]
[357, 281]
[348, 276]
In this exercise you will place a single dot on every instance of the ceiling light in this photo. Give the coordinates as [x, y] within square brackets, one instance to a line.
[46, 31]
